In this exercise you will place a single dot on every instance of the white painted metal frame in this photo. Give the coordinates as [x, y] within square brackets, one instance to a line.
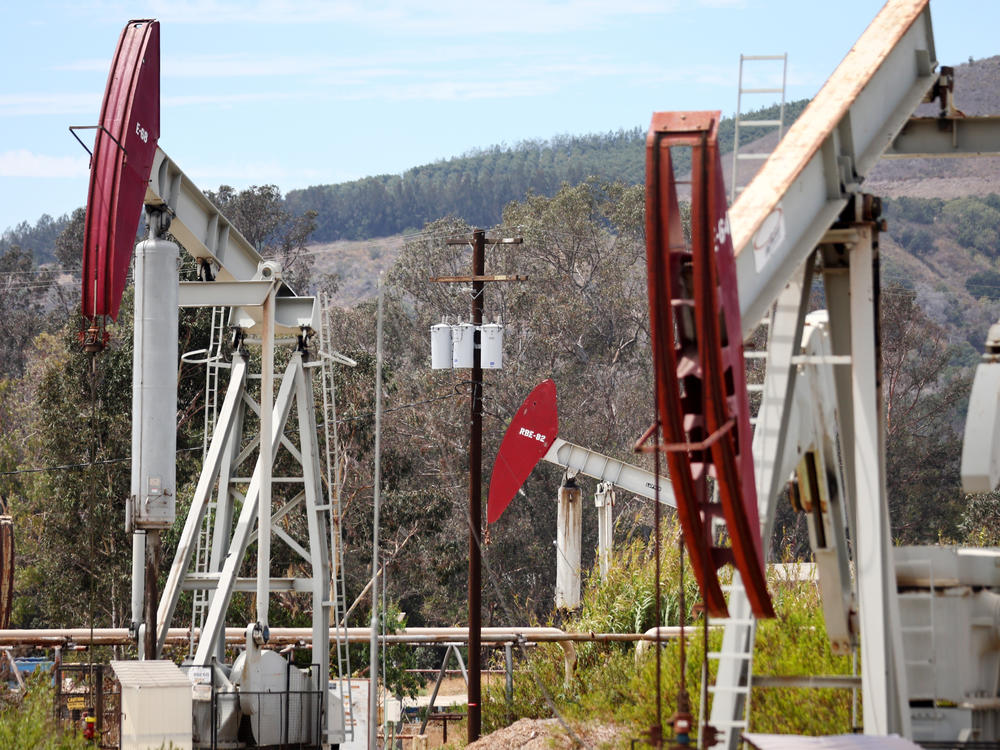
[883, 678]
[236, 549]
[729, 704]
[230, 543]
[216, 466]
[777, 223]
[200, 227]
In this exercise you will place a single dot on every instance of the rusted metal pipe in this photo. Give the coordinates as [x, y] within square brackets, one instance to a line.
[66, 637]
[284, 636]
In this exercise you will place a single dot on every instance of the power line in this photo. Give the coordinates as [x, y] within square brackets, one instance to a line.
[84, 464]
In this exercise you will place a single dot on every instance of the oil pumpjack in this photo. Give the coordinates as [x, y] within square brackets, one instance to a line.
[925, 619]
[805, 216]
[262, 699]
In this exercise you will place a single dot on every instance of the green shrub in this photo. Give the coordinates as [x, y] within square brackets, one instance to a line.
[974, 224]
[612, 685]
[918, 210]
[27, 723]
[984, 284]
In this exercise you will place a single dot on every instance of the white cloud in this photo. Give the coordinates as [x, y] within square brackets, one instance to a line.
[420, 16]
[24, 163]
[455, 90]
[12, 105]
[184, 100]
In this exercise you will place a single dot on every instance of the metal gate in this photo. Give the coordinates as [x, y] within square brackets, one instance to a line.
[83, 690]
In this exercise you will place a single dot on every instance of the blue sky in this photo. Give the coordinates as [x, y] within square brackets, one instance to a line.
[297, 93]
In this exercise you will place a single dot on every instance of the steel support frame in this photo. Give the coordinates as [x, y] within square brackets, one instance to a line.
[226, 495]
[852, 300]
[215, 461]
[317, 514]
[769, 451]
[236, 550]
[949, 136]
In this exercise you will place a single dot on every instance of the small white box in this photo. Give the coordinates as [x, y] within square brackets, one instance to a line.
[491, 346]
[463, 345]
[441, 347]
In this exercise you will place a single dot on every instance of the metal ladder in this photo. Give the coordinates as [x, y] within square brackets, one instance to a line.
[201, 598]
[735, 665]
[334, 486]
[734, 676]
[735, 659]
[734, 190]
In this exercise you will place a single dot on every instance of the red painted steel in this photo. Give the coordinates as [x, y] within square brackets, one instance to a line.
[120, 166]
[529, 436]
[701, 392]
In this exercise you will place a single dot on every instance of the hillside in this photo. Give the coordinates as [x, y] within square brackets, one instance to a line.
[476, 186]
[977, 93]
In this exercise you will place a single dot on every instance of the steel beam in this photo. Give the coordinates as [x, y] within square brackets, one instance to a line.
[265, 460]
[228, 417]
[782, 214]
[210, 582]
[946, 137]
[603, 468]
[316, 518]
[223, 293]
[291, 314]
[853, 322]
[215, 620]
[199, 226]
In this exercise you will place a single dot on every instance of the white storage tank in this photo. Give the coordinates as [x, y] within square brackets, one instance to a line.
[155, 705]
[441, 347]
[463, 345]
[491, 346]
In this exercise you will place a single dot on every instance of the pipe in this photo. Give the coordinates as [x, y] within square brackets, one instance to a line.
[284, 636]
[377, 503]
[265, 458]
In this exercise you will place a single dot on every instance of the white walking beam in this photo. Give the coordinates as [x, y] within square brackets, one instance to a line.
[779, 218]
[580, 460]
[198, 225]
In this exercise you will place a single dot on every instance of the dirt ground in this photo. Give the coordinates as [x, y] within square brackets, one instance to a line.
[524, 734]
[545, 734]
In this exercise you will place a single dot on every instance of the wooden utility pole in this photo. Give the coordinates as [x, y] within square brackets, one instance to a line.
[478, 278]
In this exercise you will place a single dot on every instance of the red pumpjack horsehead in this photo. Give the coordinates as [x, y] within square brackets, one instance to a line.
[702, 404]
[120, 167]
